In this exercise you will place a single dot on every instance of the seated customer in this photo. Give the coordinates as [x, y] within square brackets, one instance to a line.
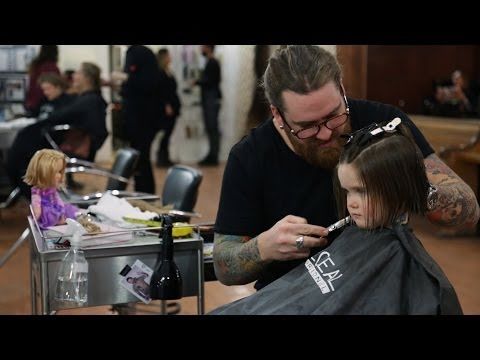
[377, 265]
[87, 114]
[53, 87]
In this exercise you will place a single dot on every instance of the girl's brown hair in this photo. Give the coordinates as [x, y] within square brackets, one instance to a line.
[391, 168]
[42, 168]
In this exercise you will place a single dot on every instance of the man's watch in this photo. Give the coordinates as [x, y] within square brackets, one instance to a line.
[432, 197]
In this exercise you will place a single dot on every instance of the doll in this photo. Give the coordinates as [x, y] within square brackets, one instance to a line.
[46, 173]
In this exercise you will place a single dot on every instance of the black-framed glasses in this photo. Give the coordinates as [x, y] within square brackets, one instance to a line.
[311, 131]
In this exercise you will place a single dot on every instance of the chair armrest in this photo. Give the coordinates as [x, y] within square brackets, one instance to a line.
[55, 146]
[129, 195]
[48, 136]
[14, 195]
[95, 171]
[76, 161]
[92, 198]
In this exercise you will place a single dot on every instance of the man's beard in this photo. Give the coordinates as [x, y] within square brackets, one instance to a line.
[323, 157]
[326, 158]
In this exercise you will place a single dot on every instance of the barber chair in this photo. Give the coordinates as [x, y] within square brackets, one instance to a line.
[118, 179]
[181, 190]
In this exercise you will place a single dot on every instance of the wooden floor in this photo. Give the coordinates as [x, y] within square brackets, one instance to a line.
[459, 258]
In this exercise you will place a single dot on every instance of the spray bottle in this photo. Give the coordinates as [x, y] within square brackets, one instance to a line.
[72, 278]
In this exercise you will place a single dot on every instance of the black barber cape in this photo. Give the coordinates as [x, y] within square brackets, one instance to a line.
[386, 271]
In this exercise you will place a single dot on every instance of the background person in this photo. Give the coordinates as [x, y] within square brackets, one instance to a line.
[211, 95]
[168, 88]
[44, 62]
[68, 75]
[143, 109]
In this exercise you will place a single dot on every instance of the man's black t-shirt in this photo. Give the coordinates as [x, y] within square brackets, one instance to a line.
[264, 181]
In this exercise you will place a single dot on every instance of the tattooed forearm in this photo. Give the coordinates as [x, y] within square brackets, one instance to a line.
[454, 207]
[456, 204]
[236, 259]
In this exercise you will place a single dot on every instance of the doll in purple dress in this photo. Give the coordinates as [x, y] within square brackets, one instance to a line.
[46, 173]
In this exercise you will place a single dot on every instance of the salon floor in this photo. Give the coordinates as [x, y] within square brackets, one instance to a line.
[457, 256]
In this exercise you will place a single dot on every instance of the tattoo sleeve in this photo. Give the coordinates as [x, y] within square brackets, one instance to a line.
[456, 204]
[236, 259]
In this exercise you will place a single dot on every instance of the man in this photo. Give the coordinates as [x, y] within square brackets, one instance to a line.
[211, 95]
[277, 198]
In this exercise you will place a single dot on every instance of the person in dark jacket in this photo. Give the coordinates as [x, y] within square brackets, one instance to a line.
[45, 62]
[87, 114]
[209, 83]
[143, 109]
[168, 90]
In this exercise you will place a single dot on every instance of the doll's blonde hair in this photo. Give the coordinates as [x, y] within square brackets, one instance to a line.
[42, 168]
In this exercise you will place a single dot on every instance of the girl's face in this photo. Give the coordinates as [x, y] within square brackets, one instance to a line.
[358, 204]
[59, 174]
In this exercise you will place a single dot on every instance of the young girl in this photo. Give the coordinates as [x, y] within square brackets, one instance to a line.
[45, 173]
[381, 177]
[377, 265]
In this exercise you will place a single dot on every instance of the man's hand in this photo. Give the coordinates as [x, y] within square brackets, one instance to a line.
[279, 242]
[240, 260]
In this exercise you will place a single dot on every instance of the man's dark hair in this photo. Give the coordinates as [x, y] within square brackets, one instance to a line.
[301, 69]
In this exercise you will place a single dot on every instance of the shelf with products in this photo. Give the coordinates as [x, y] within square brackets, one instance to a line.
[13, 87]
[14, 60]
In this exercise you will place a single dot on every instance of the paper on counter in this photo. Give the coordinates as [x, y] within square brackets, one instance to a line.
[116, 208]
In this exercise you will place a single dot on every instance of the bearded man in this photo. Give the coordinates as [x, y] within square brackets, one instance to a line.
[277, 197]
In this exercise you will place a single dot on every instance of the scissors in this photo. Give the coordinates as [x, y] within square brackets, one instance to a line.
[339, 224]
